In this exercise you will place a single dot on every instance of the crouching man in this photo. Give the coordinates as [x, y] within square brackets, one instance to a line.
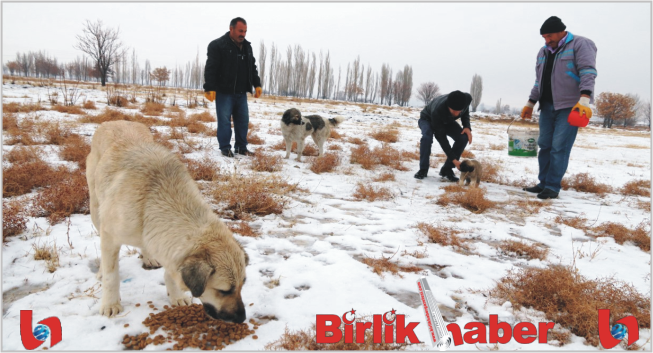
[439, 119]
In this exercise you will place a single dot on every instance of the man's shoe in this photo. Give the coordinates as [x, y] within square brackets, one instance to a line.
[534, 189]
[227, 152]
[421, 174]
[547, 194]
[244, 151]
[450, 177]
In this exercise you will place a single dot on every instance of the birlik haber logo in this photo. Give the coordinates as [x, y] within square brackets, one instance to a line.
[443, 336]
[32, 339]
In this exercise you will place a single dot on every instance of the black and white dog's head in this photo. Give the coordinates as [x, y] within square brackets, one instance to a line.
[292, 116]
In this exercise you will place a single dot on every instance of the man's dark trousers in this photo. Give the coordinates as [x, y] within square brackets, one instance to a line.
[452, 130]
[228, 106]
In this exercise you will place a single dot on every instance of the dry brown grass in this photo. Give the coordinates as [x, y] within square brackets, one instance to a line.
[23, 132]
[621, 234]
[637, 188]
[585, 182]
[443, 235]
[309, 150]
[491, 172]
[254, 139]
[305, 340]
[335, 135]
[472, 199]
[22, 178]
[578, 222]
[370, 158]
[334, 147]
[204, 117]
[49, 254]
[9, 121]
[356, 141]
[22, 154]
[528, 206]
[327, 163]
[68, 109]
[54, 132]
[75, 149]
[14, 218]
[14, 107]
[386, 135]
[571, 300]
[254, 194]
[205, 169]
[410, 155]
[62, 198]
[382, 265]
[371, 193]
[387, 176]
[119, 101]
[243, 229]
[264, 162]
[468, 154]
[89, 105]
[497, 146]
[109, 114]
[521, 249]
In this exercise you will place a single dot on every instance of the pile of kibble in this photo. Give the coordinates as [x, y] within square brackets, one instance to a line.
[189, 326]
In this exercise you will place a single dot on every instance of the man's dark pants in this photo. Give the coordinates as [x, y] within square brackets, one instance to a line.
[555, 141]
[227, 106]
[452, 130]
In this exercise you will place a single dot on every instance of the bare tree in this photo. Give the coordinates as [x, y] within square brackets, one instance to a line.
[262, 55]
[497, 108]
[476, 90]
[427, 91]
[161, 75]
[101, 44]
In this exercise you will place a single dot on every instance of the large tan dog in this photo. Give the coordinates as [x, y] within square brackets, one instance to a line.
[142, 195]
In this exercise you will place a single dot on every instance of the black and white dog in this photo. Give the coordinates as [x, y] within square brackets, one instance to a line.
[296, 128]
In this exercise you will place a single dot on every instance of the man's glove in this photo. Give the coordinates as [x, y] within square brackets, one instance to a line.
[527, 111]
[583, 107]
[210, 95]
[258, 93]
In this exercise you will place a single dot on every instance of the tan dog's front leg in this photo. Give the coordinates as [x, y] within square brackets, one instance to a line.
[463, 176]
[288, 148]
[175, 294]
[110, 303]
[148, 261]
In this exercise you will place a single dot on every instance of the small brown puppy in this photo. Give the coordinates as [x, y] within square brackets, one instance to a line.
[471, 172]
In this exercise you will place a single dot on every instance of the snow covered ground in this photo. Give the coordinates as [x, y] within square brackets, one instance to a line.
[314, 248]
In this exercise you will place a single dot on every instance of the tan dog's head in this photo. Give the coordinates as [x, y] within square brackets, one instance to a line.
[467, 166]
[292, 116]
[215, 273]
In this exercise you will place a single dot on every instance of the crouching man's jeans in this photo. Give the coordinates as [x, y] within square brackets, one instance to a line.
[228, 106]
[555, 141]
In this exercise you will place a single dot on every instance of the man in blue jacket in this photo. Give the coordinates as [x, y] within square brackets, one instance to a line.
[565, 73]
[438, 119]
[230, 73]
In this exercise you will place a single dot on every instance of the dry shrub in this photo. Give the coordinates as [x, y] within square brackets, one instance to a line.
[309, 150]
[19, 133]
[62, 198]
[89, 105]
[205, 169]
[356, 141]
[379, 266]
[264, 162]
[584, 182]
[258, 195]
[196, 127]
[14, 107]
[410, 155]
[371, 193]
[119, 101]
[68, 109]
[204, 117]
[254, 139]
[54, 133]
[335, 135]
[163, 139]
[384, 155]
[49, 254]
[472, 199]
[522, 249]
[637, 188]
[497, 146]
[243, 229]
[491, 171]
[20, 154]
[334, 147]
[9, 121]
[644, 205]
[571, 300]
[386, 135]
[528, 206]
[21, 178]
[111, 114]
[305, 340]
[14, 220]
[621, 234]
[75, 149]
[467, 154]
[445, 236]
[327, 163]
[387, 176]
[577, 222]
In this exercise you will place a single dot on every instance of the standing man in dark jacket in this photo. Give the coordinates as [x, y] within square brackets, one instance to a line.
[439, 119]
[230, 73]
[564, 79]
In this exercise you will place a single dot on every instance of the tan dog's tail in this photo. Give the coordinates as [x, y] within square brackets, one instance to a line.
[336, 121]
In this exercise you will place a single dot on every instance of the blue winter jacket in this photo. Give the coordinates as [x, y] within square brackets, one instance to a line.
[574, 70]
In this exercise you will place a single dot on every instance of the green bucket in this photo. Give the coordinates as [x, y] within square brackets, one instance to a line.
[522, 142]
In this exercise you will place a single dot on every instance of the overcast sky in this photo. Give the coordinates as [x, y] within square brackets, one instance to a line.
[446, 43]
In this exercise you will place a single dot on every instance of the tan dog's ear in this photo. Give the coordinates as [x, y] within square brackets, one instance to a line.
[195, 272]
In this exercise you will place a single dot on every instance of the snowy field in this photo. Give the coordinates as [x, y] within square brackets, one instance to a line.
[314, 248]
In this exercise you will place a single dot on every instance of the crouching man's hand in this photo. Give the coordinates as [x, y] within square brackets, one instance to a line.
[456, 163]
[469, 134]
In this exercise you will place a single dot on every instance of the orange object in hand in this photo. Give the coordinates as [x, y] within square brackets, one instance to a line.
[576, 118]
[258, 93]
[210, 95]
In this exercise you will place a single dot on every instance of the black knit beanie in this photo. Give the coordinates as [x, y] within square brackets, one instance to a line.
[552, 25]
[456, 100]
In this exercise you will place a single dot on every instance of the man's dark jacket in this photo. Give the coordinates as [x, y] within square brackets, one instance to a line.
[437, 113]
[221, 66]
